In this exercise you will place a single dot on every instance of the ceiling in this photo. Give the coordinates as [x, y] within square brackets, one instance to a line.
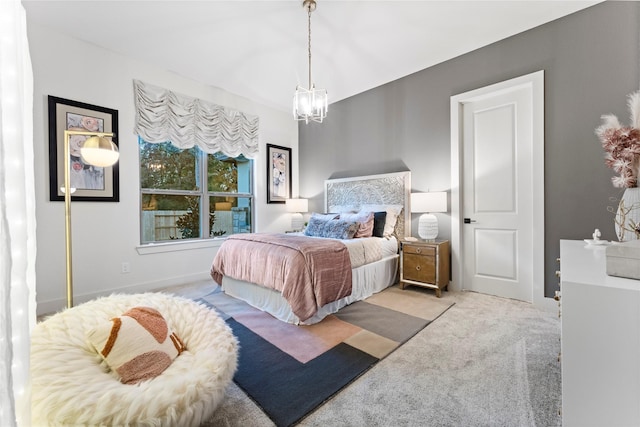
[258, 49]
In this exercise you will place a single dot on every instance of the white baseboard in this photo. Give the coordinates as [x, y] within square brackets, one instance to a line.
[55, 305]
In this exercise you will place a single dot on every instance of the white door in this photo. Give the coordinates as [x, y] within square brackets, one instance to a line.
[497, 133]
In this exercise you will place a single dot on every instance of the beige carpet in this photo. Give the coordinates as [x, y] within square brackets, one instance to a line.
[486, 361]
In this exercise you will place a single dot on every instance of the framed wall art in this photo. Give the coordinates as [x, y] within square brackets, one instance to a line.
[91, 183]
[278, 174]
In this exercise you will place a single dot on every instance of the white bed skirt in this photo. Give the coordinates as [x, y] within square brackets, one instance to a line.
[366, 281]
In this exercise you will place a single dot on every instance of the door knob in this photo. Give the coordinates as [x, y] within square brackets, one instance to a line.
[469, 220]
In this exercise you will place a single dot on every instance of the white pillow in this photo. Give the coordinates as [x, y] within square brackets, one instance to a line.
[393, 211]
[343, 208]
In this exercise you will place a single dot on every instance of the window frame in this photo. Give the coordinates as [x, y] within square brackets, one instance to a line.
[204, 194]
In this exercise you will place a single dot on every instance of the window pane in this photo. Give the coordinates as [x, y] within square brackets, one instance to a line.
[227, 174]
[231, 215]
[166, 217]
[163, 166]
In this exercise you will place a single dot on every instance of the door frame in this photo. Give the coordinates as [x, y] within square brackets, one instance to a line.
[535, 81]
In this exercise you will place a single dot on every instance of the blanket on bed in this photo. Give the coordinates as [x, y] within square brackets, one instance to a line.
[308, 272]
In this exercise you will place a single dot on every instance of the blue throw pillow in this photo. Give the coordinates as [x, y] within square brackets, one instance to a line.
[315, 226]
[340, 229]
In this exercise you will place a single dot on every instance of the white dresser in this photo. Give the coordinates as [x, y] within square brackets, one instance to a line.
[600, 341]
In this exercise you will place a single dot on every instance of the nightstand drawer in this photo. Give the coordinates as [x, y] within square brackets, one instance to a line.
[419, 250]
[420, 268]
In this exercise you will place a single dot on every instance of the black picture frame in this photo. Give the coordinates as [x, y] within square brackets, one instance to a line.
[278, 173]
[92, 184]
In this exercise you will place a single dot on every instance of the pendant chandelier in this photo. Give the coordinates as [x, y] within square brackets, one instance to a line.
[310, 103]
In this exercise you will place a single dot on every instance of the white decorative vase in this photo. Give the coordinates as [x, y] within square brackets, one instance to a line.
[628, 215]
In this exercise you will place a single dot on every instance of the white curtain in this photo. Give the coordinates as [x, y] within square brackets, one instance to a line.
[162, 115]
[17, 215]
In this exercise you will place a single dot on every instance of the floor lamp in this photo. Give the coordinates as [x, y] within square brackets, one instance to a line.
[99, 151]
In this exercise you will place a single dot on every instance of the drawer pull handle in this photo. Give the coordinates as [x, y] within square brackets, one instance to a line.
[418, 267]
[418, 250]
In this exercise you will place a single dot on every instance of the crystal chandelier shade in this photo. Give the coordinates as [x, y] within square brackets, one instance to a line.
[310, 104]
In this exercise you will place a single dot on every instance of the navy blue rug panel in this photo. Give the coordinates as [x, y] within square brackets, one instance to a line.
[285, 388]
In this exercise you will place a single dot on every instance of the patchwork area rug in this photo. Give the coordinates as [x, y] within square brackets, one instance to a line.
[290, 370]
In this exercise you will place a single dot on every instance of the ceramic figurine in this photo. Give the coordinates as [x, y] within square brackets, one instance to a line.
[596, 235]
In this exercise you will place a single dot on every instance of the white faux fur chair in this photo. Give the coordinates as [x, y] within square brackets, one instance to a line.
[71, 385]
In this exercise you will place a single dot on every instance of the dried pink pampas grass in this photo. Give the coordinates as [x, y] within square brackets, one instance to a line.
[622, 144]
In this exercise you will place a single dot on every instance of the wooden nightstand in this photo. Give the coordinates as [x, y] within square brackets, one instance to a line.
[425, 264]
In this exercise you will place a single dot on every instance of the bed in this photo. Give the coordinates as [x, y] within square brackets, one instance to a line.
[371, 262]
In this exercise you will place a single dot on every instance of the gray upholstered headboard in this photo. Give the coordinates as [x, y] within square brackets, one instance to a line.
[390, 188]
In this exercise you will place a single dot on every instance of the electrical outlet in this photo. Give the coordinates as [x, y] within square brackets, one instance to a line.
[126, 267]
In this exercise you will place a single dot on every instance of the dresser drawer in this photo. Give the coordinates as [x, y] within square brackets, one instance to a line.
[419, 250]
[420, 268]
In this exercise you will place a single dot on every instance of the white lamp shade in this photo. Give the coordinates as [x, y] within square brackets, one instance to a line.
[297, 205]
[99, 151]
[429, 202]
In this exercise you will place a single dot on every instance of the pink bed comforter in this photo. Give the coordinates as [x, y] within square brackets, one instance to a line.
[309, 272]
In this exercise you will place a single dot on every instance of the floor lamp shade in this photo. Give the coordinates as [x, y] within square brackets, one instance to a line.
[427, 203]
[297, 207]
[99, 151]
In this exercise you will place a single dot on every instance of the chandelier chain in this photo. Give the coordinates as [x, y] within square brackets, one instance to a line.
[309, 40]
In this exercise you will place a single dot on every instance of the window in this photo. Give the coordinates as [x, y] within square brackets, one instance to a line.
[177, 186]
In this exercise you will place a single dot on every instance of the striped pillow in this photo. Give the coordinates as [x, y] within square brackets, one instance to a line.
[138, 345]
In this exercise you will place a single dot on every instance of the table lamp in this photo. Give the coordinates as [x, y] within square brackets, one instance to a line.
[427, 204]
[297, 207]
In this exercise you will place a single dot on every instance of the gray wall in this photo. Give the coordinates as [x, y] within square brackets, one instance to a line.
[591, 63]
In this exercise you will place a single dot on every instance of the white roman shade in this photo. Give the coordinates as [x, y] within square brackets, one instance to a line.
[162, 115]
